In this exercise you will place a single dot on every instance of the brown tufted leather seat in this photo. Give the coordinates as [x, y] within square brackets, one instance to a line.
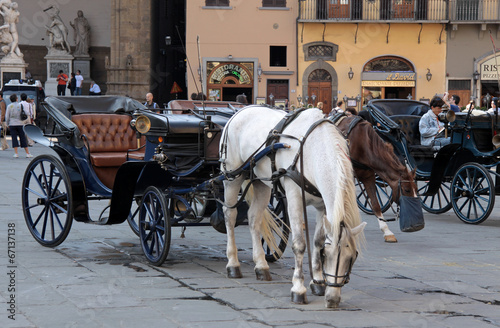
[110, 138]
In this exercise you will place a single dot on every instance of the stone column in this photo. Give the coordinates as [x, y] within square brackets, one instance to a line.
[128, 67]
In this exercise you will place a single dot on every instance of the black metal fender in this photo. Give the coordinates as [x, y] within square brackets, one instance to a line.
[131, 180]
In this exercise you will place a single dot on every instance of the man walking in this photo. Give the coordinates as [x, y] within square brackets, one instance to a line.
[79, 82]
[62, 80]
[4, 124]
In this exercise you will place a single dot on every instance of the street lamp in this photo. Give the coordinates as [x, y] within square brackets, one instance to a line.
[259, 72]
[409, 96]
[358, 101]
[271, 99]
[299, 99]
[428, 76]
[350, 74]
[345, 99]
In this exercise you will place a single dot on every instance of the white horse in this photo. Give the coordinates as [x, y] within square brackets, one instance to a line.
[338, 227]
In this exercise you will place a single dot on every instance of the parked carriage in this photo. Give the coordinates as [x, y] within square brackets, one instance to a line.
[463, 175]
[165, 175]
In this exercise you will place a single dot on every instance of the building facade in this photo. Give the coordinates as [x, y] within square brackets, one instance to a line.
[243, 47]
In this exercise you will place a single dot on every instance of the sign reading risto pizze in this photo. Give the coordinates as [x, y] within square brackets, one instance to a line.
[489, 69]
[230, 70]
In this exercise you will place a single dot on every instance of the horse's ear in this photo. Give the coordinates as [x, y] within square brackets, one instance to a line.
[358, 229]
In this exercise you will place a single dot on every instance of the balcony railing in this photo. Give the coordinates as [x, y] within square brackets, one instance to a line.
[400, 10]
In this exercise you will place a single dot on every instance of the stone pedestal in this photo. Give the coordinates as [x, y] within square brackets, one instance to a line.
[55, 63]
[13, 68]
[83, 64]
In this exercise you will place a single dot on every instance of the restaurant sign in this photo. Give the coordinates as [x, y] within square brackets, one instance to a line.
[388, 76]
[489, 69]
[224, 70]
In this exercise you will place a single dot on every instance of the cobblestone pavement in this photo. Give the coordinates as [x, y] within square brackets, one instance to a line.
[447, 275]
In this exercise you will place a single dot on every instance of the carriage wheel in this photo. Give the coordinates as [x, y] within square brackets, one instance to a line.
[438, 203]
[472, 193]
[133, 218]
[384, 196]
[47, 200]
[154, 225]
[278, 208]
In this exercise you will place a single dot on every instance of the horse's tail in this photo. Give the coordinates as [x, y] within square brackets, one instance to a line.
[345, 207]
[270, 227]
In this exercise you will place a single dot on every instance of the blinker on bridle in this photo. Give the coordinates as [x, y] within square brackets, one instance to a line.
[345, 277]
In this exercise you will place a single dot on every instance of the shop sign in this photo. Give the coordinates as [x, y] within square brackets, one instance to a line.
[388, 76]
[489, 69]
[388, 83]
[230, 70]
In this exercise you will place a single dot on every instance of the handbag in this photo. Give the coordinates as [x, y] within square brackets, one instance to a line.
[23, 115]
[411, 217]
[69, 85]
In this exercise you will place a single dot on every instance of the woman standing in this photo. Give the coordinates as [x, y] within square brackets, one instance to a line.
[72, 84]
[13, 119]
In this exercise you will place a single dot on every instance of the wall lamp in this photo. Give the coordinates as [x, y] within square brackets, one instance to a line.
[476, 75]
[230, 56]
[168, 40]
[350, 74]
[259, 72]
[428, 76]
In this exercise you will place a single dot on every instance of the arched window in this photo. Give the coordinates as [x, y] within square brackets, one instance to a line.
[389, 64]
[320, 75]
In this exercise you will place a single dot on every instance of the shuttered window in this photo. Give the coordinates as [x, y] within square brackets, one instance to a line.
[273, 3]
[217, 3]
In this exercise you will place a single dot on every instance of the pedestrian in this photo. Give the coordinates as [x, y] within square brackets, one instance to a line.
[27, 107]
[94, 89]
[150, 104]
[62, 80]
[72, 84]
[337, 109]
[5, 145]
[78, 84]
[13, 119]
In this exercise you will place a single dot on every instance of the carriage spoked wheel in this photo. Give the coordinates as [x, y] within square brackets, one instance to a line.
[277, 207]
[472, 193]
[154, 225]
[47, 200]
[438, 203]
[133, 218]
[384, 196]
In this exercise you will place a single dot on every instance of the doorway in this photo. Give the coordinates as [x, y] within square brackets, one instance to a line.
[320, 89]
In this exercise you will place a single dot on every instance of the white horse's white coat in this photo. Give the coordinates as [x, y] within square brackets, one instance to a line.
[326, 165]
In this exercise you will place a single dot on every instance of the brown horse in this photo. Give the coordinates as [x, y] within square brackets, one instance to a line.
[371, 155]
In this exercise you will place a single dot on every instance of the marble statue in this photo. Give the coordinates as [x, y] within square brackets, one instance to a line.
[58, 33]
[82, 34]
[8, 31]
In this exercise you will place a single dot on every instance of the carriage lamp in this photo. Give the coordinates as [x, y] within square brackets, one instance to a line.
[428, 76]
[313, 97]
[299, 99]
[259, 72]
[345, 99]
[350, 74]
[306, 99]
[142, 124]
[409, 96]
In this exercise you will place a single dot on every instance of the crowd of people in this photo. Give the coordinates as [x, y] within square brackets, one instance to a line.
[75, 84]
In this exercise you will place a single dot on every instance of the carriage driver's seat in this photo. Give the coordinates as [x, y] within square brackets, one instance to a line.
[409, 125]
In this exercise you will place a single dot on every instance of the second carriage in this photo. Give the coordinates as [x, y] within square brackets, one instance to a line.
[464, 175]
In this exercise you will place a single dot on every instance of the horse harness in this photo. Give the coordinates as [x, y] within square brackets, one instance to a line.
[337, 119]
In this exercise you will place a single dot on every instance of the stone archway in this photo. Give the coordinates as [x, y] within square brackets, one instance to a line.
[320, 65]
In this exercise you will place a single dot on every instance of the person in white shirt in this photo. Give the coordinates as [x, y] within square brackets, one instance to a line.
[79, 82]
[94, 89]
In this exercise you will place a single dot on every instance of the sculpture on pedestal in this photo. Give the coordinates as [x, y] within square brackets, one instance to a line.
[57, 32]
[9, 38]
[82, 34]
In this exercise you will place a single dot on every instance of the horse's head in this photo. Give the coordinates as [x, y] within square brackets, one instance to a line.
[338, 256]
[408, 185]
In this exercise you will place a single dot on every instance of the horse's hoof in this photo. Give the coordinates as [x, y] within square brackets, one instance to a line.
[318, 289]
[390, 239]
[299, 298]
[263, 274]
[234, 272]
[332, 304]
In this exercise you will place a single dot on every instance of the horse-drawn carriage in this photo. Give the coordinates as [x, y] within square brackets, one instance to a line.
[170, 166]
[458, 175]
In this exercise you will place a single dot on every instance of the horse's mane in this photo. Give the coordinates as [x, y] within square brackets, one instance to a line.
[384, 151]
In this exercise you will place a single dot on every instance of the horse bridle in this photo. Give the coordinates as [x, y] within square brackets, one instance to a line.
[346, 276]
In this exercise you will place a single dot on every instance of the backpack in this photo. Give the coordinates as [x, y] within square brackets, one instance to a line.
[23, 115]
